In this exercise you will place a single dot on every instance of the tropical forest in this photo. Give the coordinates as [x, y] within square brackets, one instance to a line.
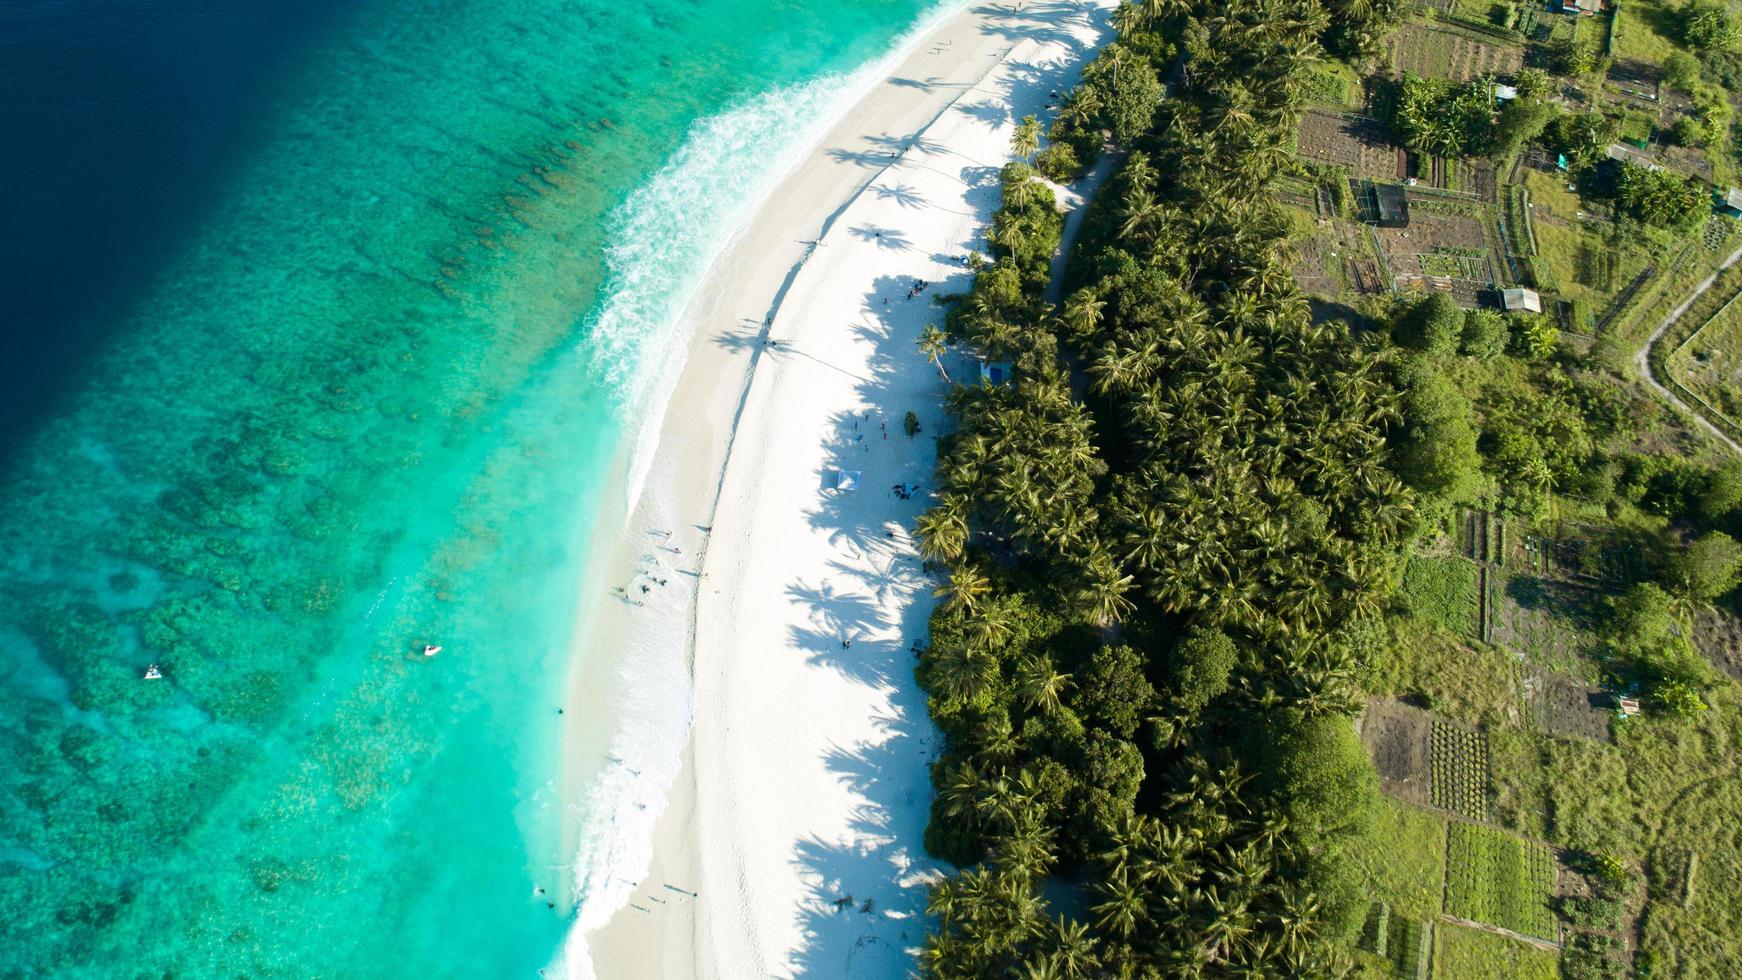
[1341, 577]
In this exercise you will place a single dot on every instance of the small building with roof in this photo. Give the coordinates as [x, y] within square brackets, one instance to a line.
[1732, 204]
[1520, 300]
[1581, 8]
[1388, 204]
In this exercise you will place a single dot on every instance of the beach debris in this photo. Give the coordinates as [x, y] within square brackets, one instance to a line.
[152, 673]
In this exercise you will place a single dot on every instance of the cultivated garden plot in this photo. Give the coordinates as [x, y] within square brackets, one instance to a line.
[1709, 363]
[1470, 954]
[1355, 143]
[1334, 262]
[1459, 760]
[1566, 706]
[1442, 247]
[1541, 620]
[1398, 737]
[1443, 591]
[1718, 636]
[1435, 52]
[1500, 879]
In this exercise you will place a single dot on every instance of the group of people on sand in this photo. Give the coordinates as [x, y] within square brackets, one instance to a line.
[917, 288]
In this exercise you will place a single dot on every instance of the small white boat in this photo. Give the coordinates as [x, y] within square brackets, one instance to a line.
[430, 649]
[153, 674]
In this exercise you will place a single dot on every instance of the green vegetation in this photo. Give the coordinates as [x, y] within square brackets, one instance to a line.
[1403, 863]
[1172, 582]
[1143, 665]
[1470, 954]
[1442, 591]
[1494, 877]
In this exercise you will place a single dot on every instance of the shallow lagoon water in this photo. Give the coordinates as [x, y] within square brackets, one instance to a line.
[372, 397]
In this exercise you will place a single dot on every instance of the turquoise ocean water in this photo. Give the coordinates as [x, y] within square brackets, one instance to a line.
[375, 395]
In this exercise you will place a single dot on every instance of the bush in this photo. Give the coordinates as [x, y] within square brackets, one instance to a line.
[1484, 335]
[1433, 325]
[1202, 662]
[1706, 568]
[1059, 163]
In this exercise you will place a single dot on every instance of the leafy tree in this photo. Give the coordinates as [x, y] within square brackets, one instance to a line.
[1660, 198]
[1681, 70]
[1484, 334]
[1707, 568]
[1723, 491]
[1203, 661]
[1438, 451]
[1708, 26]
[1320, 774]
[1112, 691]
[1641, 617]
[1521, 121]
[1434, 325]
[1127, 88]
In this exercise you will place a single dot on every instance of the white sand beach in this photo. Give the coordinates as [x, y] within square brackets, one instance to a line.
[804, 783]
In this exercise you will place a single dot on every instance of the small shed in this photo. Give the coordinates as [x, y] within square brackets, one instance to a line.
[1581, 8]
[1629, 706]
[1732, 202]
[995, 372]
[1390, 204]
[1504, 93]
[1622, 153]
[1521, 300]
[846, 479]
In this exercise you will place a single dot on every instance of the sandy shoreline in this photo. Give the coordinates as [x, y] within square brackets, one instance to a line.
[804, 780]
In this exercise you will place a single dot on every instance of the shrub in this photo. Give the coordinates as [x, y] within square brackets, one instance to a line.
[1059, 163]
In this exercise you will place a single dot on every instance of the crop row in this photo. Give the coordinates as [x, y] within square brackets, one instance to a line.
[1494, 877]
[1458, 760]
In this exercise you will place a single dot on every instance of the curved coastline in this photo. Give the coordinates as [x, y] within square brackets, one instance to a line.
[808, 774]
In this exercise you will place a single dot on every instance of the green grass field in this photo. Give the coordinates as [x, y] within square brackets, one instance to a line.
[1405, 862]
[1470, 954]
[1474, 685]
[1639, 32]
[1442, 591]
[1494, 877]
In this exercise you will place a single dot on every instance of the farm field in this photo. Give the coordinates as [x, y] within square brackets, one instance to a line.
[1406, 866]
[1438, 52]
[1460, 771]
[1443, 591]
[1500, 879]
[1709, 363]
[1461, 953]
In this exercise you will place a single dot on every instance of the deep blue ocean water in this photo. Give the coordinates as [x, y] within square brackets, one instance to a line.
[325, 329]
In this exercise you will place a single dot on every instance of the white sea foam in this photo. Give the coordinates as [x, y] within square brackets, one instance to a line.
[670, 230]
[665, 237]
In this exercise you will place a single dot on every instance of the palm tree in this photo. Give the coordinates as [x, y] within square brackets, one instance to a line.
[943, 530]
[934, 345]
[1083, 310]
[1039, 684]
[967, 586]
[1101, 593]
[1026, 141]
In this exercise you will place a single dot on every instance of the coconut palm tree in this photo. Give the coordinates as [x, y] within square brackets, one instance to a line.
[934, 345]
[1025, 142]
[966, 588]
[1039, 684]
